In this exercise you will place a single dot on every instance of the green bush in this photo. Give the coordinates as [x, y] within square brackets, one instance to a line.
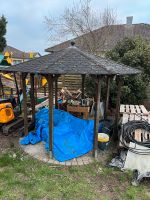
[134, 52]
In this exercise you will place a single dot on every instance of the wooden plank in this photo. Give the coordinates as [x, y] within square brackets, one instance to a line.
[122, 108]
[125, 118]
[79, 109]
[132, 108]
[144, 135]
[127, 108]
[138, 109]
[44, 103]
[131, 117]
[137, 117]
[144, 111]
[138, 135]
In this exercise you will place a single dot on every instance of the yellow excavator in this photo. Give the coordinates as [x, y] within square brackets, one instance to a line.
[10, 108]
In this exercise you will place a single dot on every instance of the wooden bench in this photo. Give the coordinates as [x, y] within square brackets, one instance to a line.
[79, 109]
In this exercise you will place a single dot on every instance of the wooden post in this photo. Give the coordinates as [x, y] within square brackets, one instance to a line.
[25, 103]
[50, 90]
[56, 91]
[96, 116]
[17, 90]
[83, 81]
[1, 87]
[20, 77]
[107, 95]
[44, 88]
[35, 88]
[119, 84]
[11, 91]
[32, 96]
[63, 80]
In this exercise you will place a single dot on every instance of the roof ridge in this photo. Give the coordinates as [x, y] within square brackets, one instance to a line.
[15, 49]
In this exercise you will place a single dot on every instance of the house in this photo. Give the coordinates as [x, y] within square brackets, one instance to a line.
[19, 56]
[105, 38]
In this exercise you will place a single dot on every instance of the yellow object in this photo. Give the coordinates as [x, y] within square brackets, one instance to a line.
[9, 60]
[10, 78]
[31, 55]
[103, 137]
[7, 76]
[6, 113]
[44, 81]
[27, 81]
[7, 54]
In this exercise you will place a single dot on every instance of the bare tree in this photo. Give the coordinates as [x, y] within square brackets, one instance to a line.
[82, 23]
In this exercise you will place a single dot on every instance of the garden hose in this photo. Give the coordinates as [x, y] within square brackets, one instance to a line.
[128, 136]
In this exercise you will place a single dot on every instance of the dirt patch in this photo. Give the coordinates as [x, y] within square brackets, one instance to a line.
[8, 142]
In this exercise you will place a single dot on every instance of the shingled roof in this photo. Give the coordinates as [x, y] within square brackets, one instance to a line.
[72, 61]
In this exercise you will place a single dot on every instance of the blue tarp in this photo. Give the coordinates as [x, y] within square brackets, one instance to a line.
[73, 137]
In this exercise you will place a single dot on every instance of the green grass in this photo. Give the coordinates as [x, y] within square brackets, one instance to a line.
[25, 178]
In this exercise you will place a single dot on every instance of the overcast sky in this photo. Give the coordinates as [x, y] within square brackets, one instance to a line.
[26, 29]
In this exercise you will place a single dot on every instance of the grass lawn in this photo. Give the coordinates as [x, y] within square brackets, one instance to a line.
[22, 177]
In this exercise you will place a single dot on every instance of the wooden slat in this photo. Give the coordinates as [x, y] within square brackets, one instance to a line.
[122, 108]
[137, 117]
[125, 118]
[79, 109]
[132, 117]
[138, 135]
[132, 109]
[127, 109]
[145, 135]
[138, 109]
[144, 111]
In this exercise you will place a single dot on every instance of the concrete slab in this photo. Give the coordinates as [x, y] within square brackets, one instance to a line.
[38, 151]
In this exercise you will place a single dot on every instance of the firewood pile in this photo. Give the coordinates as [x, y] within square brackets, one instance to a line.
[73, 98]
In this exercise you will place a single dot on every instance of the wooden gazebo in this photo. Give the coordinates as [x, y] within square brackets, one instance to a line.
[71, 61]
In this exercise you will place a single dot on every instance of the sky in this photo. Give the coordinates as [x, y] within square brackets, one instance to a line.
[26, 28]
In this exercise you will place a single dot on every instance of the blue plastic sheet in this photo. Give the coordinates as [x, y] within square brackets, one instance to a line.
[72, 136]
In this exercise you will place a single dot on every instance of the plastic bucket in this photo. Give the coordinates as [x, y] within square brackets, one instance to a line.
[103, 141]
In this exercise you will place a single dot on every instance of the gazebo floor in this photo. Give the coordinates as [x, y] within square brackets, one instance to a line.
[38, 151]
